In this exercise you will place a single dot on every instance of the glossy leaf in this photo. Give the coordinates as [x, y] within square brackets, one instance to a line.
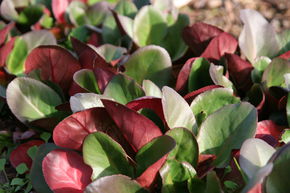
[183, 75]
[5, 31]
[36, 38]
[150, 63]
[19, 155]
[198, 36]
[186, 149]
[71, 132]
[199, 74]
[219, 46]
[190, 96]
[254, 154]
[36, 174]
[123, 89]
[64, 171]
[151, 89]
[55, 63]
[110, 52]
[86, 79]
[176, 110]
[58, 8]
[5, 51]
[258, 37]
[30, 99]
[153, 151]
[149, 26]
[210, 101]
[138, 131]
[115, 184]
[8, 10]
[216, 74]
[226, 130]
[268, 128]
[83, 101]
[105, 156]
[274, 73]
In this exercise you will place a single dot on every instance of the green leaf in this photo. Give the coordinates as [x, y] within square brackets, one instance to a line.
[177, 112]
[260, 65]
[77, 13]
[105, 156]
[175, 175]
[254, 154]
[173, 41]
[284, 40]
[288, 109]
[199, 75]
[16, 58]
[149, 27]
[230, 185]
[151, 89]
[227, 129]
[210, 101]
[277, 181]
[123, 89]
[36, 38]
[212, 183]
[97, 13]
[36, 174]
[17, 182]
[153, 151]
[274, 73]
[30, 15]
[21, 168]
[86, 79]
[45, 136]
[126, 8]
[285, 136]
[150, 63]
[2, 164]
[110, 52]
[32, 152]
[186, 149]
[31, 99]
[114, 184]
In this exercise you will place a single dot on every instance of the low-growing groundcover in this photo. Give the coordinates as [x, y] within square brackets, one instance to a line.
[129, 97]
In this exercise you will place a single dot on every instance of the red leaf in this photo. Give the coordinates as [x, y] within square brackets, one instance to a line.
[65, 172]
[71, 132]
[95, 39]
[103, 77]
[256, 189]
[147, 178]
[205, 164]
[75, 88]
[152, 103]
[218, 46]
[190, 96]
[183, 75]
[56, 64]
[268, 129]
[198, 36]
[240, 71]
[88, 57]
[59, 8]
[19, 155]
[5, 51]
[285, 56]
[137, 129]
[4, 32]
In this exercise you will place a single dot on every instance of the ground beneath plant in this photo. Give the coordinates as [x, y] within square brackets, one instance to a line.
[225, 13]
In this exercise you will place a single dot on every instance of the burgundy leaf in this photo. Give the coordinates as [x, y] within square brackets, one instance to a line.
[4, 32]
[147, 178]
[205, 164]
[71, 132]
[19, 155]
[240, 71]
[268, 130]
[183, 75]
[198, 36]
[88, 57]
[285, 56]
[65, 172]
[218, 46]
[95, 39]
[103, 77]
[148, 102]
[190, 96]
[56, 64]
[5, 51]
[75, 88]
[137, 129]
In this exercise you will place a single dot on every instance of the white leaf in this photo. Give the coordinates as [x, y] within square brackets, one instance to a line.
[151, 89]
[83, 101]
[176, 110]
[254, 154]
[258, 37]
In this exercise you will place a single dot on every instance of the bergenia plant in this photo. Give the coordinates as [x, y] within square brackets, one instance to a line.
[129, 97]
